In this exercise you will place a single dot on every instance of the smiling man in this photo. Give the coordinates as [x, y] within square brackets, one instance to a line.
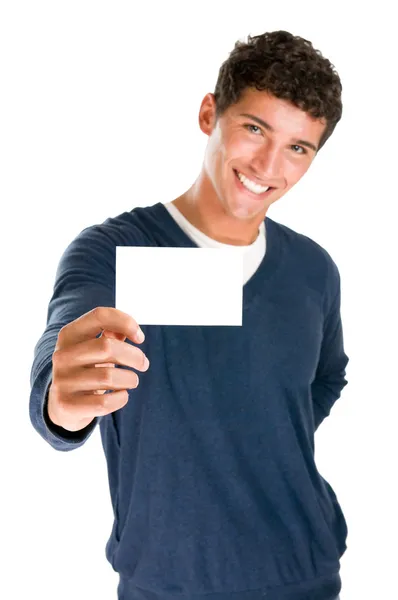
[257, 150]
[213, 481]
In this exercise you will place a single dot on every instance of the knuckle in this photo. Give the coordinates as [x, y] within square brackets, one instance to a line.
[56, 391]
[106, 345]
[105, 401]
[101, 406]
[62, 332]
[56, 357]
[100, 312]
[105, 376]
[53, 393]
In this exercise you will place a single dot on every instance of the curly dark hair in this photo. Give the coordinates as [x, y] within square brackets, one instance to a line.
[286, 66]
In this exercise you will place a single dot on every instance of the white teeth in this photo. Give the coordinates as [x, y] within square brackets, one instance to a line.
[251, 186]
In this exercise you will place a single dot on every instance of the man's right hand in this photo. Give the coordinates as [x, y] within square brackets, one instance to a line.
[83, 367]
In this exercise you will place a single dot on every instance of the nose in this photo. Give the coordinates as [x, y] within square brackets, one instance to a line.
[267, 164]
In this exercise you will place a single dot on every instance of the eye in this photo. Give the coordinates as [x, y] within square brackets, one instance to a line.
[249, 125]
[303, 151]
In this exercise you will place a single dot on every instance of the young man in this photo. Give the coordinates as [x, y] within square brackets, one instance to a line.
[210, 455]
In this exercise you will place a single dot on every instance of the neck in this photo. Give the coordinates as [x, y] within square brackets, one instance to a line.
[201, 206]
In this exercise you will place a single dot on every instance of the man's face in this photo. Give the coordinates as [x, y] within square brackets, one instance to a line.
[275, 156]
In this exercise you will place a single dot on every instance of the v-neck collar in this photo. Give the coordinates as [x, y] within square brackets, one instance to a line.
[269, 265]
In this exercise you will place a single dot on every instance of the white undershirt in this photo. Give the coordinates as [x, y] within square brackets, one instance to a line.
[252, 254]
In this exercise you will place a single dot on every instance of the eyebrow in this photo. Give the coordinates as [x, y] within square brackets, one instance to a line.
[268, 126]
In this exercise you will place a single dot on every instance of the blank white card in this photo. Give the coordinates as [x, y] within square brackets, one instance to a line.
[180, 286]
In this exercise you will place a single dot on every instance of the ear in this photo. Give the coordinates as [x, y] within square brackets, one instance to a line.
[207, 114]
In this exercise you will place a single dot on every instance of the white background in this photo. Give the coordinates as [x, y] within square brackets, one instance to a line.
[98, 107]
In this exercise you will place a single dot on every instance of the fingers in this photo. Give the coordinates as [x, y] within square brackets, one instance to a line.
[100, 351]
[100, 378]
[75, 412]
[94, 322]
[84, 367]
[110, 334]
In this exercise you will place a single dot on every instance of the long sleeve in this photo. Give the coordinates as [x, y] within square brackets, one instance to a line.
[85, 279]
[330, 375]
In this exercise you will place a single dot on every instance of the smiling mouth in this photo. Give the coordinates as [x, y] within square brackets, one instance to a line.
[254, 193]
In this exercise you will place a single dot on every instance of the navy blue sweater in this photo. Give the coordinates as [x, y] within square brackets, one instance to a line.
[213, 482]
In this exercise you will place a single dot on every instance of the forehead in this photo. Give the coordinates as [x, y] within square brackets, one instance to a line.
[281, 115]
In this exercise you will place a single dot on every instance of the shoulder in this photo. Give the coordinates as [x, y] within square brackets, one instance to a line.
[122, 230]
[309, 263]
[94, 248]
[304, 248]
[125, 229]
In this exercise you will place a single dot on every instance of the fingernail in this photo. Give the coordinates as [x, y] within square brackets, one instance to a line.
[140, 335]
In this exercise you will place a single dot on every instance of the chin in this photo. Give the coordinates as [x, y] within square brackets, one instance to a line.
[244, 212]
